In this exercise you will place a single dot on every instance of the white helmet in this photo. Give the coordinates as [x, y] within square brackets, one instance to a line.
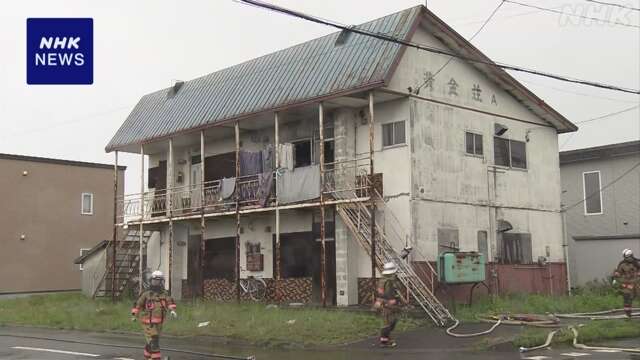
[389, 269]
[627, 253]
[157, 275]
[157, 281]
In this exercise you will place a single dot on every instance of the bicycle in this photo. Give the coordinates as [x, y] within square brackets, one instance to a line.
[255, 287]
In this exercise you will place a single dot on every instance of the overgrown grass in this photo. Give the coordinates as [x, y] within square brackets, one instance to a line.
[254, 323]
[584, 300]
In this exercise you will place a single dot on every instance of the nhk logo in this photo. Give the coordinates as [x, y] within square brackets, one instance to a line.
[59, 51]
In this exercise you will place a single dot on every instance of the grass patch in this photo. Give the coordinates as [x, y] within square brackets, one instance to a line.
[249, 322]
[582, 301]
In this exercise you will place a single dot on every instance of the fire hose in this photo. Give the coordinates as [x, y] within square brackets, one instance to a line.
[585, 347]
[188, 352]
[526, 320]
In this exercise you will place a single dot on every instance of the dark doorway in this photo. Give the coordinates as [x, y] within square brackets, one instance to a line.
[157, 179]
[220, 166]
[220, 258]
[302, 153]
[194, 271]
[300, 257]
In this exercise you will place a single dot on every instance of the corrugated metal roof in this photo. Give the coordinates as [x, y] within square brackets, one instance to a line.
[300, 73]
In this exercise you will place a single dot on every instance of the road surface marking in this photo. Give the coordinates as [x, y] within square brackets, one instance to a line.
[575, 354]
[54, 351]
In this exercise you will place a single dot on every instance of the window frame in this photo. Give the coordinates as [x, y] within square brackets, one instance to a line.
[510, 166]
[475, 134]
[82, 212]
[584, 192]
[311, 150]
[81, 266]
[393, 124]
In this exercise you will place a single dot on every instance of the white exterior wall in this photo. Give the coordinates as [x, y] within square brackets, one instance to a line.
[453, 190]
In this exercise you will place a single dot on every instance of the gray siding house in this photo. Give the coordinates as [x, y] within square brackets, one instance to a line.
[601, 195]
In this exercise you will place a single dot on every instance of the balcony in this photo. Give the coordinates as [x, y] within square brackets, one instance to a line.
[345, 181]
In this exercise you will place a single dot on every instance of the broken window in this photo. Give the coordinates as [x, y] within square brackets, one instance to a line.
[473, 143]
[448, 240]
[515, 248]
[510, 153]
[592, 193]
[393, 134]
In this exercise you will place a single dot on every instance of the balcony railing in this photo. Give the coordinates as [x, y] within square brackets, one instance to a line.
[188, 199]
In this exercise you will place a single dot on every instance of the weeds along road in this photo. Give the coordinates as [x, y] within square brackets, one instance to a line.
[19, 347]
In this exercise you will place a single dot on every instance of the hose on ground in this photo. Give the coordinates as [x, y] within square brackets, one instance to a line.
[588, 315]
[585, 347]
[543, 346]
[188, 352]
[542, 324]
[455, 325]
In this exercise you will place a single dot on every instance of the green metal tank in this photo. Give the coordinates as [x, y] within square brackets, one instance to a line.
[461, 267]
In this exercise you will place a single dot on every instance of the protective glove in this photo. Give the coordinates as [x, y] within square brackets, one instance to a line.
[174, 314]
[133, 318]
[614, 282]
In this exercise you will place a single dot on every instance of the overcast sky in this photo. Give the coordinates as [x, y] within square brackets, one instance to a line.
[142, 46]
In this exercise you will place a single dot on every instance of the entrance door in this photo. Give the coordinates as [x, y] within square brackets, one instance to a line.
[194, 270]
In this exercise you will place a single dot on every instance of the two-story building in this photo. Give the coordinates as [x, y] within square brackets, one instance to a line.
[246, 161]
[601, 194]
[52, 211]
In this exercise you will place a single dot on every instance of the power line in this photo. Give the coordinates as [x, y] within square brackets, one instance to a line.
[569, 14]
[578, 93]
[608, 115]
[603, 188]
[434, 50]
[615, 5]
[432, 77]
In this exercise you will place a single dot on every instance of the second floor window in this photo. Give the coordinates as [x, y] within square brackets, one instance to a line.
[510, 153]
[393, 134]
[87, 204]
[592, 193]
[473, 143]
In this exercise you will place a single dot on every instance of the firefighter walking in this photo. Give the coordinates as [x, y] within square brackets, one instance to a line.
[387, 302]
[626, 275]
[151, 308]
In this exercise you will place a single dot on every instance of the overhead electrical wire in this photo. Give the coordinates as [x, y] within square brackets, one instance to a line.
[432, 77]
[578, 93]
[572, 15]
[390, 38]
[612, 4]
[608, 115]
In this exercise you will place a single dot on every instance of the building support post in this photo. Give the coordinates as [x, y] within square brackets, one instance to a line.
[202, 221]
[372, 196]
[141, 246]
[170, 201]
[277, 249]
[237, 267]
[565, 247]
[323, 254]
[114, 240]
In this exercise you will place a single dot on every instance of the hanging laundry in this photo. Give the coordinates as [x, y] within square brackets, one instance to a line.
[301, 184]
[250, 162]
[265, 184]
[227, 187]
[268, 159]
[285, 154]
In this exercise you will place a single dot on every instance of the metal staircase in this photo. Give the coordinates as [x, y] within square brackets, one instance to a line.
[127, 265]
[357, 216]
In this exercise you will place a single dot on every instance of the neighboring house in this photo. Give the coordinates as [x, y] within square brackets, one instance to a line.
[601, 190]
[53, 211]
[468, 160]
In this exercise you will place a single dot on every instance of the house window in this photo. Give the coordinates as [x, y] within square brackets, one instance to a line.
[87, 204]
[302, 153]
[592, 193]
[83, 252]
[393, 134]
[515, 248]
[483, 246]
[509, 153]
[473, 143]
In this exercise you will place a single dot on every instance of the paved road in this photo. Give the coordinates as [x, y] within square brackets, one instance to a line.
[15, 344]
